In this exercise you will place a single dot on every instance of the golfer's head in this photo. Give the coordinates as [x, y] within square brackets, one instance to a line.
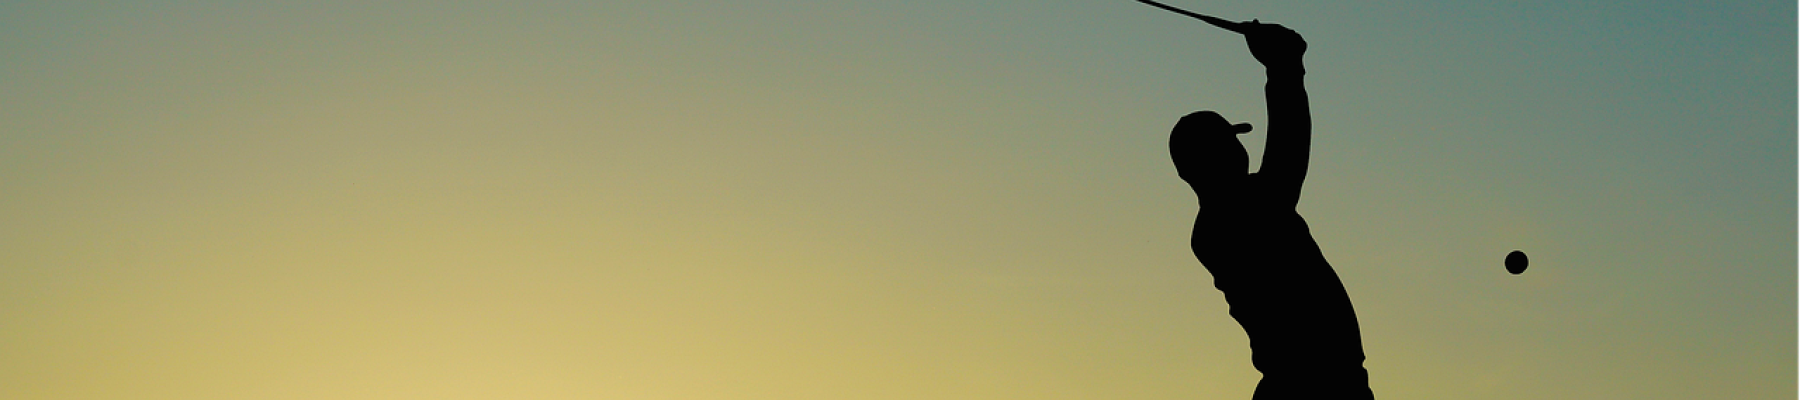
[1206, 149]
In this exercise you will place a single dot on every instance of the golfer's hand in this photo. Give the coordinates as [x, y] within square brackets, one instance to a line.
[1276, 47]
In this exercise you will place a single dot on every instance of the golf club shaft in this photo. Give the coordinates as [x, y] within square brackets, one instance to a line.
[1228, 25]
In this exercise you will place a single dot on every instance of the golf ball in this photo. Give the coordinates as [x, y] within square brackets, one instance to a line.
[1515, 262]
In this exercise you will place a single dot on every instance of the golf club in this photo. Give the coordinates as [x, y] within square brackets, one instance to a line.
[1215, 21]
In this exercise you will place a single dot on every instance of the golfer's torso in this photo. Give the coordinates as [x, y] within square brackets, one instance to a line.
[1249, 246]
[1279, 287]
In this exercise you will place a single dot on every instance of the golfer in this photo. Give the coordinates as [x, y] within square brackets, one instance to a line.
[1302, 329]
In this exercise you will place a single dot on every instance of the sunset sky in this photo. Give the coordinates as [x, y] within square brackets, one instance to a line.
[789, 199]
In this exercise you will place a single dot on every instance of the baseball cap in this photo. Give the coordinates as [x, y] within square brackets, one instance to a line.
[1208, 121]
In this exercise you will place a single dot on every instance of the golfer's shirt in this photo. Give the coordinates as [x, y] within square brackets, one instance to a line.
[1277, 282]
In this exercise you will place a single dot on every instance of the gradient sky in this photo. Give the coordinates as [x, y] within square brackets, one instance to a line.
[873, 200]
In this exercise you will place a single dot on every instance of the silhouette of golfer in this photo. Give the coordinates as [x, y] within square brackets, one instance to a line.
[1302, 329]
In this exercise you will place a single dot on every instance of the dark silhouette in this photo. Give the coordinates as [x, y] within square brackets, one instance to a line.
[1303, 332]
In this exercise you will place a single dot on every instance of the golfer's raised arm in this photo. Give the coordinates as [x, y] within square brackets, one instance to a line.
[1290, 120]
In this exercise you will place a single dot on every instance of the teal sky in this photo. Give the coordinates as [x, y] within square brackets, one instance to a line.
[874, 200]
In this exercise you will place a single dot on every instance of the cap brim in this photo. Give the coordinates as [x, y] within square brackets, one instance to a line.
[1240, 129]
